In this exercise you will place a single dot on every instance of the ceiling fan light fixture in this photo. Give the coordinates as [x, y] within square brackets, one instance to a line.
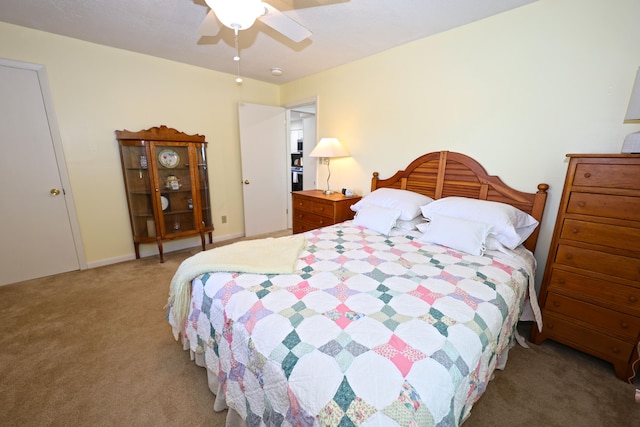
[237, 14]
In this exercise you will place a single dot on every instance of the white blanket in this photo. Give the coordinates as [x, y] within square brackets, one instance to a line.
[260, 256]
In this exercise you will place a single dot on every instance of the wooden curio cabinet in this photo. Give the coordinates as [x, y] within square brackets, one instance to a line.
[167, 186]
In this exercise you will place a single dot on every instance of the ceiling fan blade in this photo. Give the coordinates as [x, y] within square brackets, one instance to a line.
[283, 24]
[210, 25]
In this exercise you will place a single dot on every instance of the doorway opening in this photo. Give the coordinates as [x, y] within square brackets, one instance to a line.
[302, 138]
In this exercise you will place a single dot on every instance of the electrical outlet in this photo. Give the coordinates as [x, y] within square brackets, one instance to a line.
[224, 219]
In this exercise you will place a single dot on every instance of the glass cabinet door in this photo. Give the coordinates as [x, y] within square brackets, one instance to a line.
[139, 192]
[203, 188]
[176, 191]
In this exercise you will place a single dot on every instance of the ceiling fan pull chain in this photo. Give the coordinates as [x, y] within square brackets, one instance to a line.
[237, 57]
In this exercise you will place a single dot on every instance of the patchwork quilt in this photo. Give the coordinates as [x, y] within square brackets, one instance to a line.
[371, 330]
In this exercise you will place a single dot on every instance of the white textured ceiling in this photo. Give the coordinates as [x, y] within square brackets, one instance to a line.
[343, 30]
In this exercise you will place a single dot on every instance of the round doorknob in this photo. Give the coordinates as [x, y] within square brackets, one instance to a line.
[54, 192]
[246, 181]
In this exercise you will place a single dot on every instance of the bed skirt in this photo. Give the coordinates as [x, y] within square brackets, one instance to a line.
[219, 404]
[234, 419]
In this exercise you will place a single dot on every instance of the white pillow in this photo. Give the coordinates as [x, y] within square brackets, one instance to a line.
[411, 224]
[493, 244]
[511, 226]
[460, 234]
[407, 202]
[377, 218]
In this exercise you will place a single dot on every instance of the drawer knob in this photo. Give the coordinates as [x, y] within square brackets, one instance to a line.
[624, 325]
[633, 299]
[569, 256]
[550, 325]
[587, 175]
[582, 204]
[556, 303]
[574, 231]
[562, 281]
[615, 350]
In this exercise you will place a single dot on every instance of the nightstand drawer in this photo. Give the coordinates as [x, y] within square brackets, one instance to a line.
[620, 325]
[602, 292]
[314, 209]
[603, 175]
[604, 205]
[318, 207]
[602, 234]
[311, 219]
[600, 262]
[325, 209]
[564, 330]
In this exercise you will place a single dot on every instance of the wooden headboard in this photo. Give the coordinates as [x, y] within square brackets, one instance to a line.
[445, 173]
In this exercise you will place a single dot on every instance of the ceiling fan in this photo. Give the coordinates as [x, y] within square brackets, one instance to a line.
[241, 14]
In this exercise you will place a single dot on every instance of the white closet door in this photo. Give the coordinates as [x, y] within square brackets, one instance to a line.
[265, 171]
[37, 238]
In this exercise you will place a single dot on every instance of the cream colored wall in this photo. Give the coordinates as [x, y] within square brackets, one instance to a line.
[97, 90]
[516, 91]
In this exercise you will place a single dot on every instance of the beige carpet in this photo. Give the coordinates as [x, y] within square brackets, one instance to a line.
[92, 348]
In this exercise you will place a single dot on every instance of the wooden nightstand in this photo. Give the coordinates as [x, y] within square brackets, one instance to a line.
[313, 209]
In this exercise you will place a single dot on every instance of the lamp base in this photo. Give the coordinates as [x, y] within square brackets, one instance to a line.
[631, 144]
[328, 192]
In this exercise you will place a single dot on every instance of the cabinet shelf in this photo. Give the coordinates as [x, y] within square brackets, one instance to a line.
[146, 182]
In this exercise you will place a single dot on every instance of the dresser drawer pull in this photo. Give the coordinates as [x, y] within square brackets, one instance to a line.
[569, 256]
[624, 325]
[321, 221]
[556, 303]
[562, 281]
[587, 175]
[633, 299]
[575, 231]
[582, 204]
[550, 325]
[616, 350]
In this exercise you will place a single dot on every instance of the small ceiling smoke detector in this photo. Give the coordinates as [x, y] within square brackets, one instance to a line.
[276, 71]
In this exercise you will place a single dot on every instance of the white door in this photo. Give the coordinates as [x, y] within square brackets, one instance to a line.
[265, 171]
[37, 238]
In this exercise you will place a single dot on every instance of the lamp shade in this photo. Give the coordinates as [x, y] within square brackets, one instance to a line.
[633, 111]
[329, 148]
[237, 14]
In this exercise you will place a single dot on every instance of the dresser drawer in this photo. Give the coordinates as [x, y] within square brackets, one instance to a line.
[607, 176]
[600, 262]
[604, 205]
[620, 325]
[624, 298]
[562, 329]
[601, 234]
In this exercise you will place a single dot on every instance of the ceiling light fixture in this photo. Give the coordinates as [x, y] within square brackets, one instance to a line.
[237, 14]
[276, 72]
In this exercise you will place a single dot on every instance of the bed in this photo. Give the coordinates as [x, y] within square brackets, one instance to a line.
[368, 327]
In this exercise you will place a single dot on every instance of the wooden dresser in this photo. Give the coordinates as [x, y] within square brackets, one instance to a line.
[312, 209]
[590, 295]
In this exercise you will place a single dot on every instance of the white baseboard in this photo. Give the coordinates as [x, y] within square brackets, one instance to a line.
[168, 246]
